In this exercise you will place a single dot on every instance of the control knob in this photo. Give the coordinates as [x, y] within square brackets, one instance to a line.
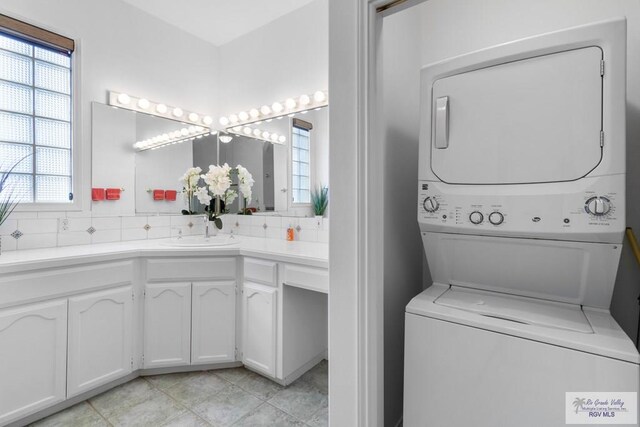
[430, 204]
[598, 206]
[496, 218]
[476, 217]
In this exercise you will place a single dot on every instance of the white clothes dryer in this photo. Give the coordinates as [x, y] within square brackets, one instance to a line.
[521, 202]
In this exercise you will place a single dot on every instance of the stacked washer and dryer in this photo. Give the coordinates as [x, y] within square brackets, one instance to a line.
[522, 213]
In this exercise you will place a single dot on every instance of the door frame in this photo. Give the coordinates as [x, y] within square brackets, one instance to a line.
[356, 387]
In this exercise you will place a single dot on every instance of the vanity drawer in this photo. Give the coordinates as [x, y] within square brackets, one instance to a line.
[52, 283]
[171, 269]
[313, 279]
[257, 270]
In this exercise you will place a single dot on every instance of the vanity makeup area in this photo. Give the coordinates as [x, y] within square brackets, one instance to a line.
[133, 289]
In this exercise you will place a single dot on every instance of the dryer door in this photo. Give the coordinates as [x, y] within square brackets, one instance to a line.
[528, 121]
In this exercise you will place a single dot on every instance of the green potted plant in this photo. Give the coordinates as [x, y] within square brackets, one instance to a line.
[320, 201]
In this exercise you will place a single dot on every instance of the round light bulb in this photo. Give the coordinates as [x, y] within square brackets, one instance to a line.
[256, 132]
[277, 107]
[282, 139]
[143, 103]
[124, 99]
[224, 121]
[254, 113]
[207, 120]
[192, 129]
[242, 115]
[194, 117]
[319, 96]
[177, 112]
[233, 118]
[290, 103]
[304, 100]
[265, 110]
[265, 135]
[226, 139]
[161, 108]
[247, 130]
[274, 137]
[184, 131]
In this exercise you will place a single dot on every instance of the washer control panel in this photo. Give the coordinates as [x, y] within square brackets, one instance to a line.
[589, 207]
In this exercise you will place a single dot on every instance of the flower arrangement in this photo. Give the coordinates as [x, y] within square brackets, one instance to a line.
[189, 182]
[217, 193]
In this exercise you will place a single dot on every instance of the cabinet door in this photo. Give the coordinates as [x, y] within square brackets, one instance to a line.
[259, 327]
[167, 324]
[213, 322]
[33, 358]
[100, 344]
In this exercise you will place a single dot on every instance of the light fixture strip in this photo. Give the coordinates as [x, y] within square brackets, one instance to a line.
[288, 107]
[258, 134]
[159, 141]
[143, 105]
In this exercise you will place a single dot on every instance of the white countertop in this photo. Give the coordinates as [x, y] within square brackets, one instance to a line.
[309, 253]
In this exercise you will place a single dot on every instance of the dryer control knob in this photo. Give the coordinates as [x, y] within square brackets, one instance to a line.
[598, 206]
[430, 204]
[496, 218]
[476, 217]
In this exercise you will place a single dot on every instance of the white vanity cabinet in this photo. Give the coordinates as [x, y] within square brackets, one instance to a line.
[33, 358]
[259, 304]
[213, 322]
[167, 320]
[189, 311]
[100, 338]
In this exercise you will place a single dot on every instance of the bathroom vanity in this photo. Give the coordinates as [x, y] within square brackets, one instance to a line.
[78, 320]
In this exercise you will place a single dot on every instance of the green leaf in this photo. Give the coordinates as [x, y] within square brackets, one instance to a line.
[218, 223]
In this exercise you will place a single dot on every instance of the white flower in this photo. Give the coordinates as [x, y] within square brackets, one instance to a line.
[190, 178]
[218, 179]
[245, 182]
[203, 195]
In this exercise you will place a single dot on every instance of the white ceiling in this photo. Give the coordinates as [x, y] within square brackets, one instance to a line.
[218, 21]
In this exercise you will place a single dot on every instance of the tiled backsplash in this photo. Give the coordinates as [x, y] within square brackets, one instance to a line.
[26, 230]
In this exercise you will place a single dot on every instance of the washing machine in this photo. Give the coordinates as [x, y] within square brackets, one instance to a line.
[521, 207]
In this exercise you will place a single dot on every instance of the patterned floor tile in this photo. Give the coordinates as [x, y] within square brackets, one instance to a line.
[227, 407]
[122, 397]
[151, 412]
[267, 415]
[233, 375]
[300, 399]
[191, 390]
[79, 415]
[258, 385]
[320, 418]
[188, 419]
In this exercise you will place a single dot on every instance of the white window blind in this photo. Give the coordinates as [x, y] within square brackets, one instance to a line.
[35, 119]
[300, 163]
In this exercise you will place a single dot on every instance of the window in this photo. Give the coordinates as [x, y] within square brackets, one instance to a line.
[300, 161]
[35, 112]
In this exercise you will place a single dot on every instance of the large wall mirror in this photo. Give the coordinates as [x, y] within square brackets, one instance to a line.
[284, 171]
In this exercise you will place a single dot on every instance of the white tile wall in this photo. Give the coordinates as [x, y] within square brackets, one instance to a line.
[32, 230]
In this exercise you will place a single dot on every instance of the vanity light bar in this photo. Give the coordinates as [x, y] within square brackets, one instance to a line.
[289, 106]
[259, 134]
[175, 137]
[143, 105]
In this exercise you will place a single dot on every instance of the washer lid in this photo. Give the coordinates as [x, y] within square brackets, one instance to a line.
[523, 310]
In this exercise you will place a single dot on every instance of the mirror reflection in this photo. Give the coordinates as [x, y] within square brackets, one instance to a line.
[285, 170]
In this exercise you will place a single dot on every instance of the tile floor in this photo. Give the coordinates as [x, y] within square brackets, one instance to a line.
[225, 397]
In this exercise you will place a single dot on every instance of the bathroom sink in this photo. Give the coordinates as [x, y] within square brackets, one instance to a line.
[201, 241]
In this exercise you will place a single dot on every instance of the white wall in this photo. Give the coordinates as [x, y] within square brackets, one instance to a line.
[121, 48]
[285, 58]
[439, 29]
